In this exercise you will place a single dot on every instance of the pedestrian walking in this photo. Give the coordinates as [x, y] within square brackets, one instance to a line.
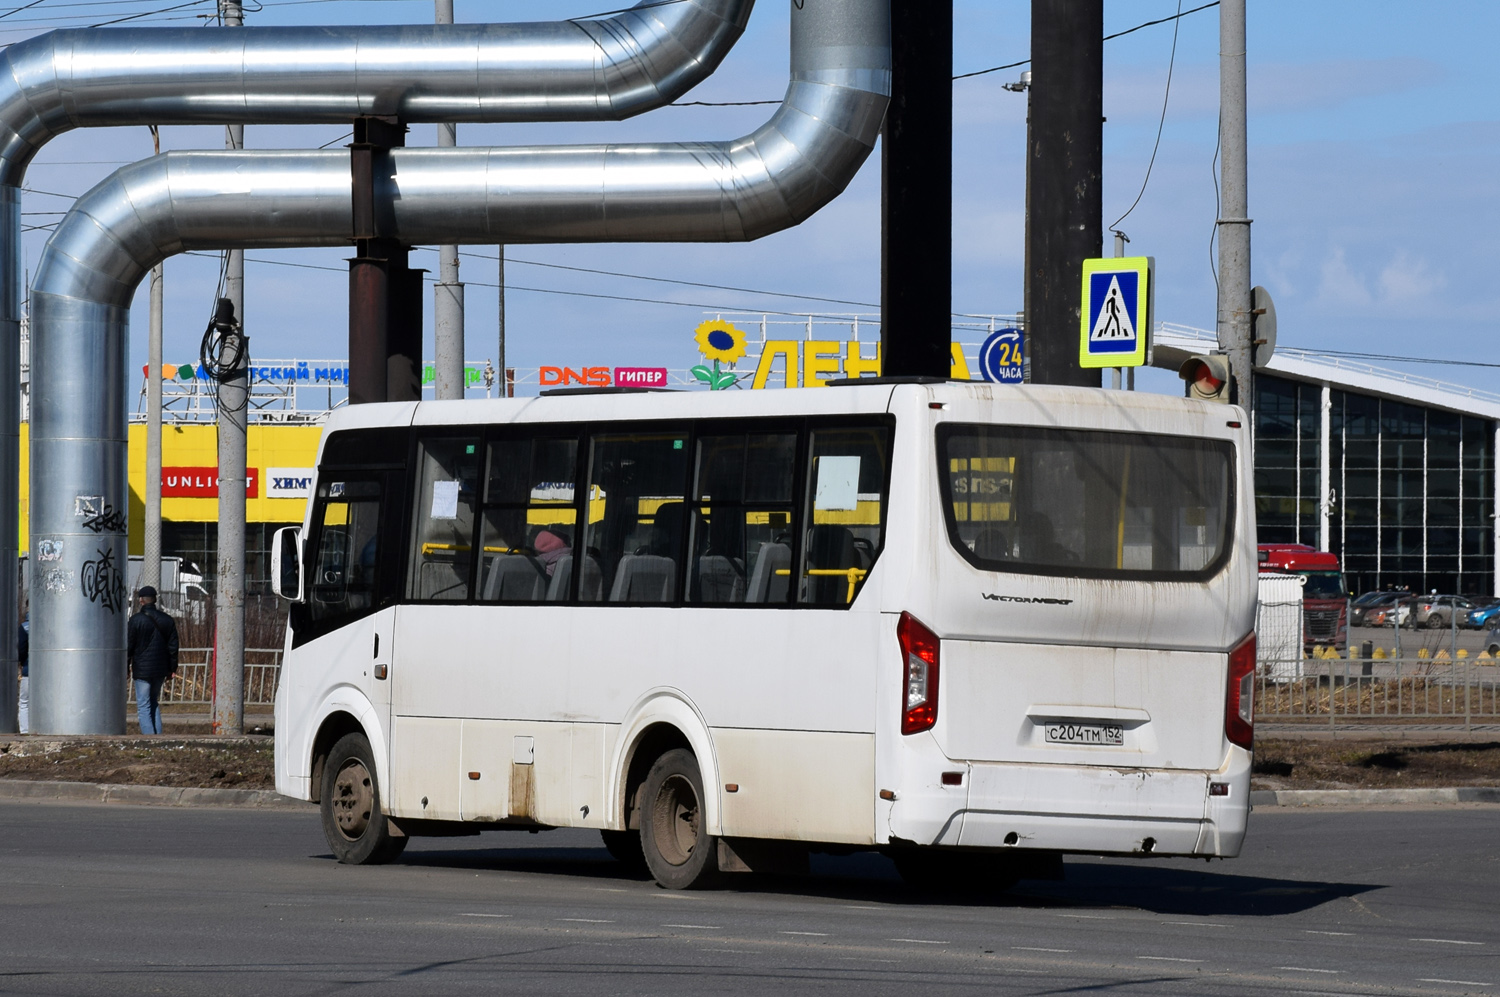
[23, 652]
[152, 652]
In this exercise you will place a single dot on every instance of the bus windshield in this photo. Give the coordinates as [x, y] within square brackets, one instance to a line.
[1323, 585]
[1094, 504]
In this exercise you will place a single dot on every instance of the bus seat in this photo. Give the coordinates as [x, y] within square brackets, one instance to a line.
[830, 546]
[765, 584]
[515, 578]
[993, 543]
[721, 579]
[444, 580]
[644, 578]
[666, 529]
[562, 577]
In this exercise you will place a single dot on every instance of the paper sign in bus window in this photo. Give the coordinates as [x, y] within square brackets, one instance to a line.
[838, 484]
[445, 500]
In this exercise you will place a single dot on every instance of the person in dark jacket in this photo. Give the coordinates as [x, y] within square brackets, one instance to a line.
[152, 652]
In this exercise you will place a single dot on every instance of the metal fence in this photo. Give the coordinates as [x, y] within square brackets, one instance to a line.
[194, 682]
[1393, 690]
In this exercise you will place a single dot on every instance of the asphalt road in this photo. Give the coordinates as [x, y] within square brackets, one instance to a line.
[125, 900]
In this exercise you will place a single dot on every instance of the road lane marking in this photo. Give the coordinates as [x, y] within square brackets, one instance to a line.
[739, 951]
[1446, 941]
[586, 920]
[1465, 983]
[1092, 917]
[813, 934]
[920, 941]
[1340, 934]
[486, 915]
[860, 958]
[697, 927]
[1034, 948]
[857, 907]
[1200, 924]
[1305, 969]
[1166, 958]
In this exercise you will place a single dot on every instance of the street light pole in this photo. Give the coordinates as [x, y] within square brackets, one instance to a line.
[1233, 325]
[448, 295]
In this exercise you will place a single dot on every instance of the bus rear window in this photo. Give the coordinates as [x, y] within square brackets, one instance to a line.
[1087, 503]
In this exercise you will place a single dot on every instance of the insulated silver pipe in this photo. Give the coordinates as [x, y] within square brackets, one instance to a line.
[679, 192]
[609, 68]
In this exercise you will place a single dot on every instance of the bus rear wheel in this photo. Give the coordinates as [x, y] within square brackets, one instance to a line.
[679, 851]
[353, 822]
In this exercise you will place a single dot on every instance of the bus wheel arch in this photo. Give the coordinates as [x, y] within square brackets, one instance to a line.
[660, 722]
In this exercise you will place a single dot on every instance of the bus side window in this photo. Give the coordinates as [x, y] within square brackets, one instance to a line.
[529, 520]
[846, 513]
[633, 537]
[343, 580]
[742, 519]
[442, 542]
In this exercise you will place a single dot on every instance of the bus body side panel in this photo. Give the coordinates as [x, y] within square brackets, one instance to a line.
[1019, 650]
[331, 674]
[797, 682]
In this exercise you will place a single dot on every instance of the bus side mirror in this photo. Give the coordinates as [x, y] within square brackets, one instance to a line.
[286, 563]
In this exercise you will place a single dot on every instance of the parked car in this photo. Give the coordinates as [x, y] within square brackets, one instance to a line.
[1492, 642]
[1359, 607]
[1437, 611]
[1484, 617]
[1401, 608]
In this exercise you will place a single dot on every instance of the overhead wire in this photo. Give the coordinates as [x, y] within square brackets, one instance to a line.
[1160, 125]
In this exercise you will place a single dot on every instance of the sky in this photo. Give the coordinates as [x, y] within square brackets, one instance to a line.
[1372, 184]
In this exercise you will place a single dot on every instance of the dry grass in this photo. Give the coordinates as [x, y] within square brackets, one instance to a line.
[1373, 764]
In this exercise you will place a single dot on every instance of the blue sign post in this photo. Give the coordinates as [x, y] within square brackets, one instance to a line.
[1117, 311]
[1002, 357]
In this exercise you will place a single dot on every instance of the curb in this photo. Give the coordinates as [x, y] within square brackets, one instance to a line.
[1371, 797]
[161, 796]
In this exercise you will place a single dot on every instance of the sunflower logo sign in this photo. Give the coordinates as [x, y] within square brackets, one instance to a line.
[720, 342]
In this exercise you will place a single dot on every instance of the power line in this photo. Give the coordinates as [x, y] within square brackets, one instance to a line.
[978, 72]
[1171, 63]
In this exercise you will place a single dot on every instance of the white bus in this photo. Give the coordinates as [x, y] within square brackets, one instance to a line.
[974, 627]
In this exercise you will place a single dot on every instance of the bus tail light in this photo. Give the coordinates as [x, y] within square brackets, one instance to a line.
[1239, 708]
[919, 652]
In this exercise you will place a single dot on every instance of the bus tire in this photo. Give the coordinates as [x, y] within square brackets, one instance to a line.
[353, 822]
[962, 873]
[625, 847]
[679, 851]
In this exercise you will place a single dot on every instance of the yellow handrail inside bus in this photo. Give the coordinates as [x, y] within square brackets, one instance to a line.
[855, 576]
[432, 548]
[1120, 529]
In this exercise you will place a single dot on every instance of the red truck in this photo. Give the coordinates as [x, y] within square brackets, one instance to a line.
[1325, 601]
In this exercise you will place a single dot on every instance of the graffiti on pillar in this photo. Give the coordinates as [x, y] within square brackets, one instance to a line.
[57, 580]
[49, 549]
[106, 520]
[101, 582]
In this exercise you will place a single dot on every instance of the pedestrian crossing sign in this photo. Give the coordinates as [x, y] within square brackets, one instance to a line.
[1117, 312]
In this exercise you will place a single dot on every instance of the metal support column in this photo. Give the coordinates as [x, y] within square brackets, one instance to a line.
[151, 536]
[507, 385]
[916, 231]
[448, 295]
[1325, 460]
[1233, 326]
[1063, 196]
[379, 278]
[233, 394]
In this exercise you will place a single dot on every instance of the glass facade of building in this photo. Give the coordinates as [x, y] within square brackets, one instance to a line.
[1411, 490]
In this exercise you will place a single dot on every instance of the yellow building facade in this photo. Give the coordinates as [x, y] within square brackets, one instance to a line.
[190, 457]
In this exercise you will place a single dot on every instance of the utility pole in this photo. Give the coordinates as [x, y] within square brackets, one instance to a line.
[448, 295]
[229, 596]
[1064, 163]
[916, 225]
[151, 542]
[1234, 326]
[506, 387]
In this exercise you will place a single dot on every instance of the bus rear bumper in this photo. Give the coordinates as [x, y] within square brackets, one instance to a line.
[1097, 811]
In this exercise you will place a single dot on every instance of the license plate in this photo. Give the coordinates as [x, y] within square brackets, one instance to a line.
[1107, 734]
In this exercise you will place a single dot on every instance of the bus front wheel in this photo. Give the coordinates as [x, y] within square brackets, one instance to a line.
[679, 851]
[353, 823]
